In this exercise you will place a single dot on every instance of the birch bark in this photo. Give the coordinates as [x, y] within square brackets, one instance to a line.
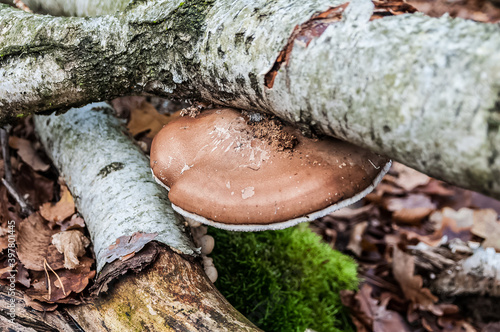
[423, 91]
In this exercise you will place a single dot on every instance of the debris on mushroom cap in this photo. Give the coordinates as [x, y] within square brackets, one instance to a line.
[222, 171]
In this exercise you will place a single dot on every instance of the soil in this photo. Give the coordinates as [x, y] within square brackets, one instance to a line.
[271, 130]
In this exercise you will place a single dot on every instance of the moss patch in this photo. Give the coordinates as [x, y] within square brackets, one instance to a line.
[284, 280]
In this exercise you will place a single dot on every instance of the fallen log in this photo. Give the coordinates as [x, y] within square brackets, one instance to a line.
[421, 90]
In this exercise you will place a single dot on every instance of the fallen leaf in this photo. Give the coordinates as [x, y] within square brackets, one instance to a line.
[403, 268]
[481, 201]
[22, 275]
[56, 213]
[72, 245]
[371, 315]
[409, 202]
[408, 178]
[145, 118]
[34, 244]
[486, 225]
[448, 223]
[39, 306]
[76, 222]
[124, 105]
[7, 209]
[388, 320]
[35, 188]
[73, 282]
[435, 187]
[28, 154]
[356, 236]
[411, 209]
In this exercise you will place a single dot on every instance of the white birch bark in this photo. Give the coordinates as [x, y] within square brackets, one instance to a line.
[73, 7]
[478, 274]
[423, 91]
[109, 178]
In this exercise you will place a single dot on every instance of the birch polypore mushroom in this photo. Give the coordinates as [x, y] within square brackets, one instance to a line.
[234, 172]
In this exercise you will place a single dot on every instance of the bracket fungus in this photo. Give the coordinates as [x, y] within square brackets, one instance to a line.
[243, 173]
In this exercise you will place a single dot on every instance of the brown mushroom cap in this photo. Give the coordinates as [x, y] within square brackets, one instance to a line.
[220, 174]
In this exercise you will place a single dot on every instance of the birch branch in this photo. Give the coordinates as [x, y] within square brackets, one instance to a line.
[423, 91]
[101, 165]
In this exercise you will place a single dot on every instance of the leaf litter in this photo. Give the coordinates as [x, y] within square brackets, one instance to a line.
[52, 262]
[411, 237]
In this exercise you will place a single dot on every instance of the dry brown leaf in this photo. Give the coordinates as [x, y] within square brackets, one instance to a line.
[411, 209]
[411, 216]
[463, 218]
[369, 315]
[74, 282]
[403, 268]
[28, 154]
[72, 245]
[7, 209]
[447, 222]
[145, 118]
[38, 188]
[356, 236]
[486, 225]
[76, 222]
[388, 320]
[409, 202]
[436, 187]
[4, 239]
[56, 213]
[34, 244]
[22, 275]
[39, 306]
[481, 201]
[408, 178]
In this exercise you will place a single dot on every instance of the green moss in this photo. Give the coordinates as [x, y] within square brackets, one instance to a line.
[284, 280]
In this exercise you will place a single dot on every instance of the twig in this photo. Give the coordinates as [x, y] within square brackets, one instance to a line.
[26, 209]
[57, 276]
[21, 5]
[8, 182]
[4, 140]
[49, 287]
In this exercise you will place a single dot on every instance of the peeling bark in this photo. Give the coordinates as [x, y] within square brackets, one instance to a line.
[478, 275]
[423, 91]
[131, 223]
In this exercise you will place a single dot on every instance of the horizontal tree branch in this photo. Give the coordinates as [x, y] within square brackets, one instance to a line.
[424, 91]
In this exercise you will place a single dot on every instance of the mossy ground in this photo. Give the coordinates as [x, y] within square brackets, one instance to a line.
[284, 280]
